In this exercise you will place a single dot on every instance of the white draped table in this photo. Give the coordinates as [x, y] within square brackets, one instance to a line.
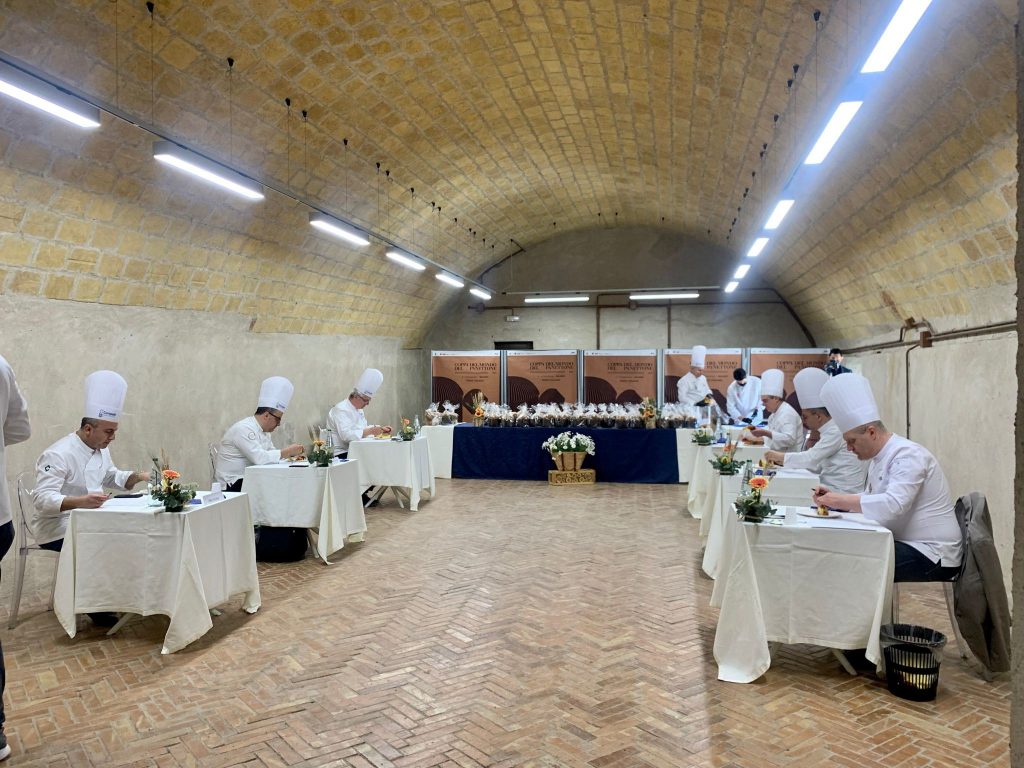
[440, 440]
[699, 499]
[402, 465]
[825, 582]
[130, 557]
[324, 499]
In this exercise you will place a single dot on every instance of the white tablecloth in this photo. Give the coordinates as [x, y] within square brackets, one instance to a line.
[685, 450]
[323, 498]
[697, 500]
[822, 582]
[128, 556]
[395, 463]
[439, 440]
[793, 487]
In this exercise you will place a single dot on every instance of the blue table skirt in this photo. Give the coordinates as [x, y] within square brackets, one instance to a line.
[514, 453]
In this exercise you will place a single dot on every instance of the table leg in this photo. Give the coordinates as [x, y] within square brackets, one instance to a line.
[376, 496]
[125, 618]
[312, 538]
[841, 658]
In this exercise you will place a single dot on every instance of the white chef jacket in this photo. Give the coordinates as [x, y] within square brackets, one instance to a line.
[787, 429]
[692, 389]
[744, 402]
[348, 423]
[69, 467]
[839, 469]
[907, 493]
[244, 444]
[14, 418]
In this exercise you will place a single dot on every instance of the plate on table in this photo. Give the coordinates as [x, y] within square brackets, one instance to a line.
[813, 512]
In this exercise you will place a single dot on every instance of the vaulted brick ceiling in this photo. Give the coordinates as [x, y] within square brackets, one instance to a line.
[522, 118]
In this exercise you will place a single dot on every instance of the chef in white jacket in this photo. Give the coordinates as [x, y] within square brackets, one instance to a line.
[906, 490]
[347, 419]
[248, 442]
[785, 430]
[74, 471]
[743, 398]
[16, 429]
[838, 468]
[693, 388]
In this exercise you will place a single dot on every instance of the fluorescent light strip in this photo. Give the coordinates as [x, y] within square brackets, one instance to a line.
[337, 228]
[405, 261]
[741, 271]
[177, 157]
[663, 296]
[554, 299]
[480, 294]
[779, 214]
[836, 125]
[43, 96]
[757, 247]
[895, 35]
[449, 279]
[732, 286]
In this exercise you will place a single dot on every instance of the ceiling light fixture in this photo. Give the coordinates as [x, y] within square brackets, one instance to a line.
[779, 214]
[757, 247]
[171, 154]
[480, 294]
[732, 286]
[833, 130]
[340, 229]
[37, 93]
[555, 299]
[406, 261]
[451, 280]
[741, 271]
[663, 296]
[895, 35]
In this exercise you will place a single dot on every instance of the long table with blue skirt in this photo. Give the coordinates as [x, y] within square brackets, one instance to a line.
[514, 453]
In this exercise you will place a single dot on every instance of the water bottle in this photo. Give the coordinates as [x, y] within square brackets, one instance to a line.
[416, 424]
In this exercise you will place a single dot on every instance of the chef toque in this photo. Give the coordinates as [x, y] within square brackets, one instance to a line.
[369, 382]
[772, 382]
[104, 395]
[697, 356]
[275, 392]
[808, 383]
[850, 403]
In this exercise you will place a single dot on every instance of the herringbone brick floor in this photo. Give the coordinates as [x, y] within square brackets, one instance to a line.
[504, 624]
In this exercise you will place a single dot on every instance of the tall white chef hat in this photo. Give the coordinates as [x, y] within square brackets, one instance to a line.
[772, 382]
[808, 383]
[849, 400]
[104, 395]
[697, 355]
[275, 392]
[369, 382]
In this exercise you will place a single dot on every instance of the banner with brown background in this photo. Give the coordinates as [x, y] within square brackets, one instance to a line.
[718, 367]
[542, 376]
[458, 376]
[789, 361]
[620, 376]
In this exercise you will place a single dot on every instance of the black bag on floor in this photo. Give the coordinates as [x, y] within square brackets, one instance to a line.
[280, 545]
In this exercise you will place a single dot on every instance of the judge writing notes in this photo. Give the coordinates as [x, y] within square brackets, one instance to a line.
[784, 431]
[248, 442]
[347, 418]
[693, 388]
[906, 489]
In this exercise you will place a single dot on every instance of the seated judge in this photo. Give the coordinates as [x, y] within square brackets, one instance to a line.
[693, 388]
[247, 442]
[743, 398]
[784, 431]
[906, 489]
[347, 419]
[838, 469]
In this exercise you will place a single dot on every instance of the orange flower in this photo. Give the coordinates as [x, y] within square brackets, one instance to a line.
[405, 422]
[760, 483]
[318, 443]
[479, 412]
[170, 474]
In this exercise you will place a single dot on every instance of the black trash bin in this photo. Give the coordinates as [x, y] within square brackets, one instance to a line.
[912, 657]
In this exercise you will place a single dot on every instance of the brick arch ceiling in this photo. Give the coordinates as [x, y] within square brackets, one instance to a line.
[513, 115]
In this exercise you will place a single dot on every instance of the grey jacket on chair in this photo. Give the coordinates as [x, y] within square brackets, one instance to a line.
[979, 595]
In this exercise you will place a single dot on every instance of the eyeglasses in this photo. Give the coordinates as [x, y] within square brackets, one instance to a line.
[275, 417]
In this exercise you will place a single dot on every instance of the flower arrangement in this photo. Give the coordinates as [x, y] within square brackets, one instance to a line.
[166, 487]
[649, 412]
[752, 506]
[569, 442]
[725, 463]
[703, 436]
[407, 431]
[320, 454]
[478, 408]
